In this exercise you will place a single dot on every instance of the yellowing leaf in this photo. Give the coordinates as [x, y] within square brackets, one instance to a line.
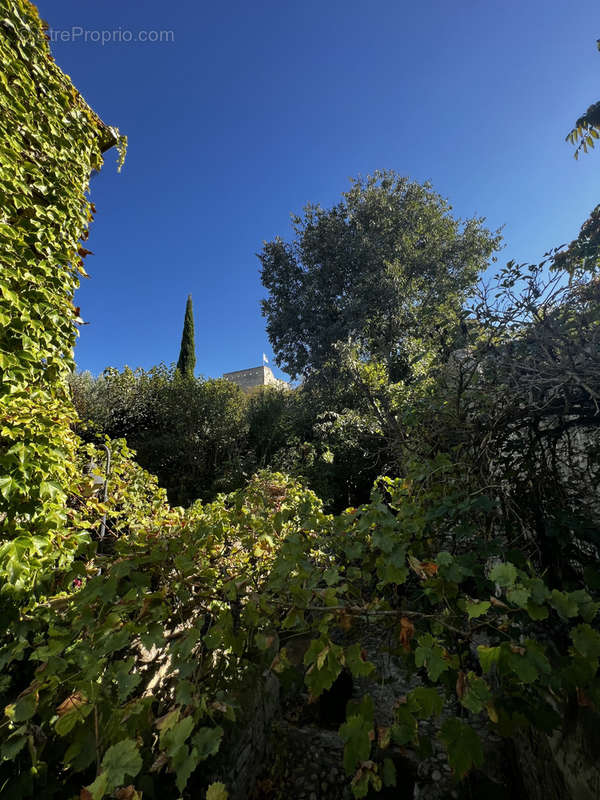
[217, 791]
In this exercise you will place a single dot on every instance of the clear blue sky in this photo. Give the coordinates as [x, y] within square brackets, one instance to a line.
[258, 108]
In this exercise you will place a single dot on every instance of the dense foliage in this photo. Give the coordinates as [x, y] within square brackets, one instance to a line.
[189, 432]
[135, 630]
[201, 437]
[51, 141]
[480, 564]
[378, 267]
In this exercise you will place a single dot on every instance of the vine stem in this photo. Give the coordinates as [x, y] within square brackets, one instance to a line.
[97, 735]
[357, 611]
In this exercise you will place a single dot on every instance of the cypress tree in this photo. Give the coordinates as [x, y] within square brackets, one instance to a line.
[187, 352]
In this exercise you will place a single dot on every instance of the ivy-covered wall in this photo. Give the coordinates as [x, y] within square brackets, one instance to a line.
[50, 141]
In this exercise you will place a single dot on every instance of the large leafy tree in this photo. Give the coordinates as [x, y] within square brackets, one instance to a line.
[187, 352]
[375, 269]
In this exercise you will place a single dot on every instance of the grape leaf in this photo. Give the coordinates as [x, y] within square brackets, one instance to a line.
[462, 744]
[586, 641]
[120, 760]
[431, 656]
[357, 742]
[475, 608]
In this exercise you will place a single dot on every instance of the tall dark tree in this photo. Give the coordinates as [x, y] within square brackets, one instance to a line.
[187, 352]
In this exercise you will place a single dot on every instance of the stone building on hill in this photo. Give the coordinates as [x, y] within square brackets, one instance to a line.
[254, 378]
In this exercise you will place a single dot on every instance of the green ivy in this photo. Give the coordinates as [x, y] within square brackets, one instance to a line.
[50, 143]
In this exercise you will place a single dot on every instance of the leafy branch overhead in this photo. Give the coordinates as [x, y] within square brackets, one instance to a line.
[587, 127]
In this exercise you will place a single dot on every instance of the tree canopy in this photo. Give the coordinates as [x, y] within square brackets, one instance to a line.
[372, 269]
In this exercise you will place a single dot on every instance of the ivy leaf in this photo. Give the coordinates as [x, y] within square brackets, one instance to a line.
[207, 741]
[527, 662]
[537, 612]
[154, 635]
[444, 558]
[173, 738]
[24, 708]
[538, 589]
[97, 789]
[50, 490]
[185, 693]
[431, 656]
[217, 791]
[475, 608]
[587, 608]
[450, 567]
[504, 574]
[355, 663]
[125, 678]
[364, 708]
[326, 665]
[477, 694]
[184, 762]
[405, 729]
[357, 742]
[518, 595]
[12, 747]
[120, 760]
[586, 641]
[488, 656]
[462, 744]
[428, 701]
[389, 772]
[564, 603]
[67, 722]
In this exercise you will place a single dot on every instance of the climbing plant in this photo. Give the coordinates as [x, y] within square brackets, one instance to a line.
[134, 673]
[50, 141]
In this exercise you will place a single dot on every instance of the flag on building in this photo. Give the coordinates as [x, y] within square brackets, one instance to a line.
[265, 359]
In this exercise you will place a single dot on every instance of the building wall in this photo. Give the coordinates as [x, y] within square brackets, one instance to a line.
[249, 379]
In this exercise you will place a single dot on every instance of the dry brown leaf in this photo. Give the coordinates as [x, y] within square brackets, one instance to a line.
[407, 632]
[76, 700]
[492, 713]
[159, 763]
[461, 685]
[583, 700]
[345, 621]
[383, 737]
[128, 793]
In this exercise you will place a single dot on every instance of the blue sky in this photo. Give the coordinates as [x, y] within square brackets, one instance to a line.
[255, 109]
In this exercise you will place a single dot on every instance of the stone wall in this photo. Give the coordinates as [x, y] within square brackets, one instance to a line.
[285, 747]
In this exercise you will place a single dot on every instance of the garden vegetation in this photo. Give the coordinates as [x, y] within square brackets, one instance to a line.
[435, 474]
